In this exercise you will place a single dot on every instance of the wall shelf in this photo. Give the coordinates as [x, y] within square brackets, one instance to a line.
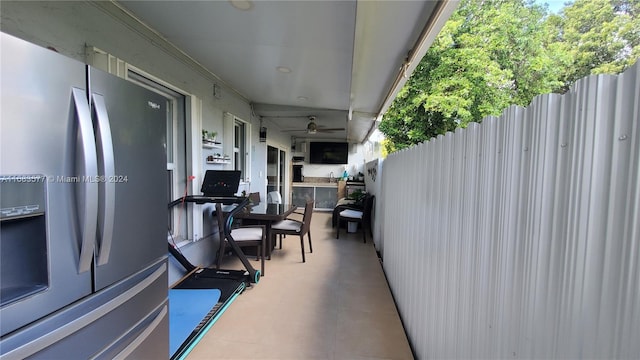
[218, 162]
[211, 144]
[214, 157]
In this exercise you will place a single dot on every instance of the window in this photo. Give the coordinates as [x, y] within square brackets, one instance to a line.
[240, 148]
[238, 133]
[176, 151]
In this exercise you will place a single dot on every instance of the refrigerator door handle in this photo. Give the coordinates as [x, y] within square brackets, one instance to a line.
[105, 144]
[90, 201]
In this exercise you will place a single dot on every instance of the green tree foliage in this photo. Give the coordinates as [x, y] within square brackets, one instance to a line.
[494, 53]
[601, 37]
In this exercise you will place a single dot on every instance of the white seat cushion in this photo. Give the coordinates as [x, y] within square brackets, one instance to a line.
[274, 197]
[354, 214]
[288, 225]
[245, 234]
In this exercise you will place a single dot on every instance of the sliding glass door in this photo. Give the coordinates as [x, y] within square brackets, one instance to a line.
[276, 166]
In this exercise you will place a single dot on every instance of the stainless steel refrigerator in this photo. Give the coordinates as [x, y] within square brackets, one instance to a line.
[83, 209]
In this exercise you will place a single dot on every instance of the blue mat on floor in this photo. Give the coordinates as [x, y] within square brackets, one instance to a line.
[188, 308]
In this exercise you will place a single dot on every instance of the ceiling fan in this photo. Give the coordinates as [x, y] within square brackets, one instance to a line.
[313, 128]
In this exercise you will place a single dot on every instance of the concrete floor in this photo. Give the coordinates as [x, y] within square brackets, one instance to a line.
[337, 305]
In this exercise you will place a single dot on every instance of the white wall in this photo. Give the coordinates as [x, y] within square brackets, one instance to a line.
[356, 160]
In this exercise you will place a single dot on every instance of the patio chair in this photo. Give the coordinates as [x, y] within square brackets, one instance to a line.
[296, 227]
[254, 197]
[244, 236]
[274, 197]
[362, 217]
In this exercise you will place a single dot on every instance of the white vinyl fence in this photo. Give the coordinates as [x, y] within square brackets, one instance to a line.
[519, 237]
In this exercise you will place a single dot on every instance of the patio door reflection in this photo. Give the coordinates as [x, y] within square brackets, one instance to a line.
[275, 170]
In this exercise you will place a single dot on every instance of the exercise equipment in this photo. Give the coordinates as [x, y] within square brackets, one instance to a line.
[203, 294]
[253, 275]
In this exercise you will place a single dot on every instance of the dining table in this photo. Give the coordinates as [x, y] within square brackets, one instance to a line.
[266, 214]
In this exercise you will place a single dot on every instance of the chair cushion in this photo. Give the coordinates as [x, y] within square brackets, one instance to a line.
[289, 225]
[274, 197]
[246, 234]
[354, 214]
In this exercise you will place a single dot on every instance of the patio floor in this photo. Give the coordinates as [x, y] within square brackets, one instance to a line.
[337, 305]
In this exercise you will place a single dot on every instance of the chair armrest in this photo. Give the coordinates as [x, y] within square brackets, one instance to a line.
[295, 213]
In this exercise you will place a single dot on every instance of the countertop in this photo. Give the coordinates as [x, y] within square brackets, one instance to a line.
[316, 184]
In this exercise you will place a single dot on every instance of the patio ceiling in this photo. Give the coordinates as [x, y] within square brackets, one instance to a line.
[340, 61]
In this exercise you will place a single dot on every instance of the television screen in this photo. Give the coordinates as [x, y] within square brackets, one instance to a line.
[329, 153]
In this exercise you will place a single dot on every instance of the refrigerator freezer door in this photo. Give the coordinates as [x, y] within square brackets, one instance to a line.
[39, 134]
[132, 167]
[127, 318]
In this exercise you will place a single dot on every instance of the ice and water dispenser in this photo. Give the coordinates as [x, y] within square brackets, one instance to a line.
[23, 237]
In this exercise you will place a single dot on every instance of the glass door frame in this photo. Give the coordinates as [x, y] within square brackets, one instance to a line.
[282, 170]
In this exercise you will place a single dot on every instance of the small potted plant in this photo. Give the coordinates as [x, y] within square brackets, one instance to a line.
[209, 136]
[358, 197]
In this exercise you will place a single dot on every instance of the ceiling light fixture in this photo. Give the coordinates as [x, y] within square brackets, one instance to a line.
[283, 69]
[303, 98]
[241, 4]
[312, 128]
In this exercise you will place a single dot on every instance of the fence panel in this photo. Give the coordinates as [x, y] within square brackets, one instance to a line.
[520, 237]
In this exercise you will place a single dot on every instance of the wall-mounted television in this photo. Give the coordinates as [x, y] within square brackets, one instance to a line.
[328, 153]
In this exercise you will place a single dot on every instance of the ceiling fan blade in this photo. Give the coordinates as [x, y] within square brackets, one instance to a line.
[313, 128]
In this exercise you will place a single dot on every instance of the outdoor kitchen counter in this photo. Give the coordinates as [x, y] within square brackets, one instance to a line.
[316, 184]
[324, 194]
